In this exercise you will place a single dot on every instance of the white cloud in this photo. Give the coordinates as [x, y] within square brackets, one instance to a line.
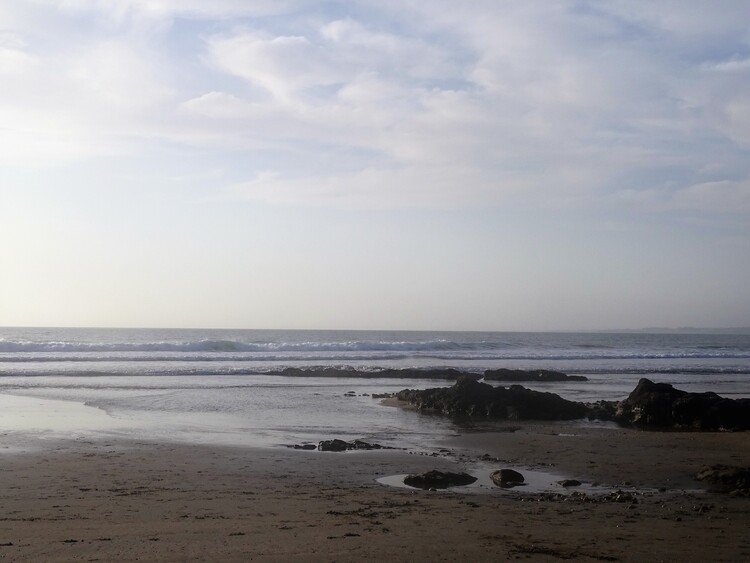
[282, 65]
[724, 196]
[295, 67]
[374, 188]
[119, 75]
[219, 105]
[14, 58]
[556, 102]
[86, 103]
[732, 65]
[139, 12]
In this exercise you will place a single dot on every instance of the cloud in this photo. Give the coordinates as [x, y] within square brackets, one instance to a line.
[333, 56]
[569, 100]
[281, 65]
[392, 103]
[219, 105]
[118, 75]
[732, 65]
[14, 59]
[79, 104]
[725, 196]
[121, 12]
[372, 188]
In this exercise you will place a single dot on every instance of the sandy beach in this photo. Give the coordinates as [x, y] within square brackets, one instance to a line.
[126, 501]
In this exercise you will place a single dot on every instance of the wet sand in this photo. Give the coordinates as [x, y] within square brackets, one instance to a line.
[125, 501]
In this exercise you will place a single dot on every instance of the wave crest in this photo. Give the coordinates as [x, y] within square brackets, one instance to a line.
[207, 345]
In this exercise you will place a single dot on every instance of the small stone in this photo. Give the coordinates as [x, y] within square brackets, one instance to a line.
[507, 478]
[569, 483]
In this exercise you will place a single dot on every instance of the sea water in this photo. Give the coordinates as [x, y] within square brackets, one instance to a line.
[216, 385]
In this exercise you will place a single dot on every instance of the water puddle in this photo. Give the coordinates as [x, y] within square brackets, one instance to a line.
[535, 481]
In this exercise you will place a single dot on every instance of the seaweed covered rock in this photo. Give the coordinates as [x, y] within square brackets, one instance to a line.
[659, 405]
[469, 398]
[538, 375]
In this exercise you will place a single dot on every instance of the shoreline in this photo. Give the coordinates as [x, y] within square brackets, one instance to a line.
[119, 499]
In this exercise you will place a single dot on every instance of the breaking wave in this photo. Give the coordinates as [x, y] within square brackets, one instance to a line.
[240, 351]
[11, 346]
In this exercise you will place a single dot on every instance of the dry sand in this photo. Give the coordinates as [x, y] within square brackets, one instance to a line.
[124, 501]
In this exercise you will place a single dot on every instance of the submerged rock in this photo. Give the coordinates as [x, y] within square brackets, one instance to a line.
[438, 480]
[507, 478]
[659, 405]
[469, 398]
[504, 374]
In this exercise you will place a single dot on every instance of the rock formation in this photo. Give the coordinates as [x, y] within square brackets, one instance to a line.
[659, 405]
[469, 398]
[529, 375]
[649, 405]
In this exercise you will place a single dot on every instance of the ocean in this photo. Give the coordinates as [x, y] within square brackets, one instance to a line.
[215, 386]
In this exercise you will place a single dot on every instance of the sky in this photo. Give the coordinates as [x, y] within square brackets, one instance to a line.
[362, 164]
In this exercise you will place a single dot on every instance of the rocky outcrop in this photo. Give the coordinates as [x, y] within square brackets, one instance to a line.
[438, 480]
[469, 398]
[659, 405]
[650, 405]
[538, 375]
[507, 478]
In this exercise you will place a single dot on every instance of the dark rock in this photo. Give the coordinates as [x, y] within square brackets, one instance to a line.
[507, 478]
[726, 478]
[337, 445]
[602, 410]
[438, 480]
[569, 483]
[334, 445]
[304, 446]
[659, 405]
[469, 398]
[621, 496]
[504, 374]
[362, 445]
